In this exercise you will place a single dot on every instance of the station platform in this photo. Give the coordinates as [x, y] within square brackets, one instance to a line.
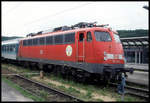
[142, 67]
[139, 77]
[11, 94]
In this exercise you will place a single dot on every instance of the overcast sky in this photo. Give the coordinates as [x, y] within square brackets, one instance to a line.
[21, 18]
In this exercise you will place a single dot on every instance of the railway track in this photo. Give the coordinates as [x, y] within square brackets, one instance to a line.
[140, 92]
[35, 88]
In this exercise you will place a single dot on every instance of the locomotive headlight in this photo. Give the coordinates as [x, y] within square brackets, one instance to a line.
[105, 55]
[120, 56]
[105, 58]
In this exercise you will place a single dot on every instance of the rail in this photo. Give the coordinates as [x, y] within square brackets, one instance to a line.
[140, 92]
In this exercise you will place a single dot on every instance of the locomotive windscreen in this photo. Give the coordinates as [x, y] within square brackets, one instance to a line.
[102, 36]
[117, 39]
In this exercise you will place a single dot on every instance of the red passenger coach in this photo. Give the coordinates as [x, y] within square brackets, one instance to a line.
[91, 49]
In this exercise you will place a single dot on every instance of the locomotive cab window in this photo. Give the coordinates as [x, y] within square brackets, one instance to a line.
[102, 36]
[89, 36]
[81, 37]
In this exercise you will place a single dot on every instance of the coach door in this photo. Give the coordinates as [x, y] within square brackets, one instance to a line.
[80, 43]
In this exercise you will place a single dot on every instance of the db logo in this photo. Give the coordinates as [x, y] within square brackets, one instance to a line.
[68, 50]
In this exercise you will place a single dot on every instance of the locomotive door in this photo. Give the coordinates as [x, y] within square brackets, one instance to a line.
[80, 46]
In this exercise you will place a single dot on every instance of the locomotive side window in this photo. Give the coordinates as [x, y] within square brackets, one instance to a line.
[81, 37]
[11, 48]
[58, 39]
[42, 41]
[35, 41]
[89, 36]
[70, 38]
[25, 42]
[29, 42]
[102, 36]
[49, 40]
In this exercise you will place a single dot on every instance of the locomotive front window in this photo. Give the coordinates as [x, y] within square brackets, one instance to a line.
[102, 36]
[117, 39]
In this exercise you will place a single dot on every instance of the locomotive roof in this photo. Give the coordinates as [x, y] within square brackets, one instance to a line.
[68, 31]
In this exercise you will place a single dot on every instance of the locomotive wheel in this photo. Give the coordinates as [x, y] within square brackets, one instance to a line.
[58, 70]
[26, 65]
[80, 76]
[73, 74]
[63, 72]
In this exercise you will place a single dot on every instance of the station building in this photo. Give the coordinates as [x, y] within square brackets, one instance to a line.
[136, 49]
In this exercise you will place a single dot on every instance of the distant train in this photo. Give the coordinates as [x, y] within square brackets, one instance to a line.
[85, 51]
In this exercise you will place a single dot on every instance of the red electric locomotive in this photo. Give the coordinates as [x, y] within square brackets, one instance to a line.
[81, 50]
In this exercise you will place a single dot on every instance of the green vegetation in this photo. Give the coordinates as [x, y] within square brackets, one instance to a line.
[23, 92]
[18, 69]
[133, 33]
[71, 89]
[43, 94]
[9, 38]
[89, 94]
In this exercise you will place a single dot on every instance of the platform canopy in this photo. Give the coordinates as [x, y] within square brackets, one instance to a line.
[135, 42]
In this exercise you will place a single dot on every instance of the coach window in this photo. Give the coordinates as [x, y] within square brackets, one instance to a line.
[4, 48]
[11, 48]
[89, 36]
[81, 37]
[7, 49]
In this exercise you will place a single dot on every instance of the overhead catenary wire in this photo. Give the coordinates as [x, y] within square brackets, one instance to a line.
[12, 9]
[58, 13]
